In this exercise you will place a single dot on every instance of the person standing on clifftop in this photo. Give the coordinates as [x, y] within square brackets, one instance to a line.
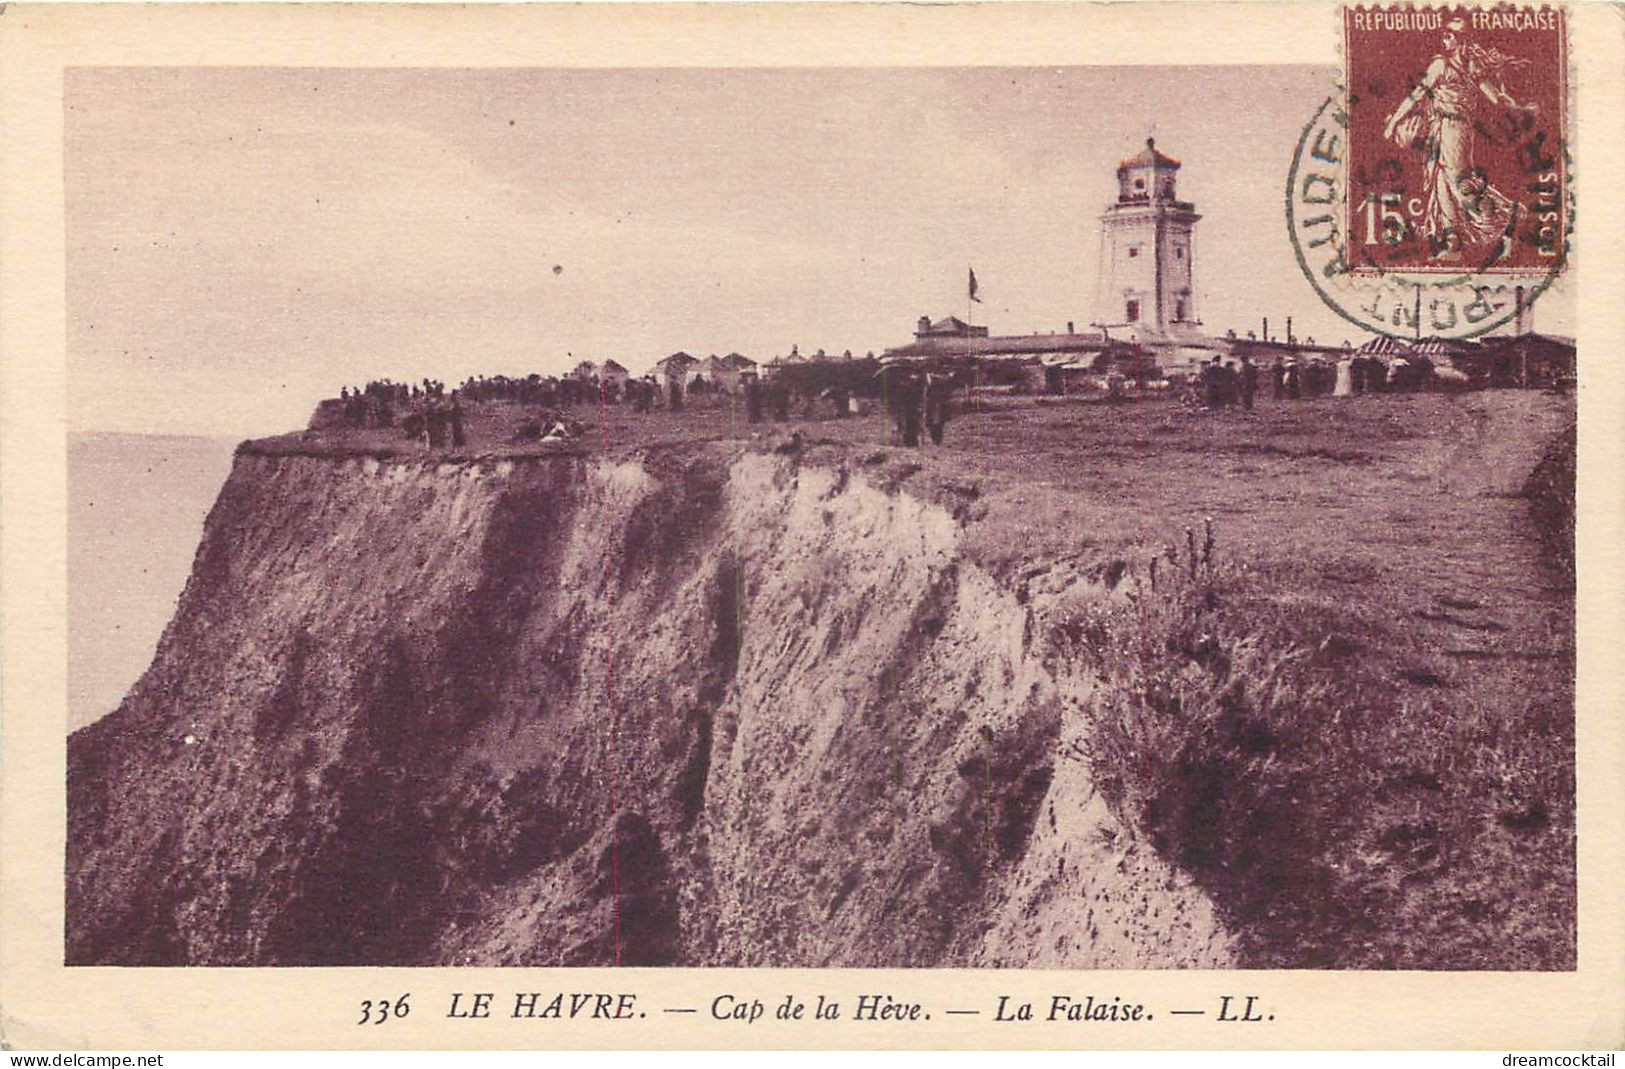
[435, 419]
[753, 399]
[938, 402]
[906, 397]
[842, 397]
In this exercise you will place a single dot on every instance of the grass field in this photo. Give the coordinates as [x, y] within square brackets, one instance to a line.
[1351, 721]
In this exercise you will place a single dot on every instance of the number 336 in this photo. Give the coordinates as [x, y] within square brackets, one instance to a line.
[380, 1010]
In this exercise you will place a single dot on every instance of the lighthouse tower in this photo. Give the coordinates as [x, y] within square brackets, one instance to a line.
[1145, 267]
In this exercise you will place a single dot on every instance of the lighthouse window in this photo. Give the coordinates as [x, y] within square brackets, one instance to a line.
[1179, 253]
[1133, 251]
[1133, 311]
[1179, 311]
[1139, 185]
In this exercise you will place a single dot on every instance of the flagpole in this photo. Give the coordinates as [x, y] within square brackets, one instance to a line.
[976, 363]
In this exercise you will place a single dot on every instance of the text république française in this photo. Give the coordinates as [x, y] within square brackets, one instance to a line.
[1429, 21]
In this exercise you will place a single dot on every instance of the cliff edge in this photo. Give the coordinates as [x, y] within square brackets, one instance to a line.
[687, 706]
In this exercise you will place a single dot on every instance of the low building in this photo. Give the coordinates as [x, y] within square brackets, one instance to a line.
[677, 370]
[727, 373]
[778, 363]
[678, 365]
[613, 372]
[1265, 352]
[946, 327]
[1048, 362]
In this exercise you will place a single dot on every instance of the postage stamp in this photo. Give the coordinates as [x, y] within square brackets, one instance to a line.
[1455, 128]
[1433, 196]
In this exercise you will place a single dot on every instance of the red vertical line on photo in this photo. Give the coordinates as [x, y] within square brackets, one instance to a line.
[609, 689]
[988, 844]
[738, 653]
[890, 694]
[986, 732]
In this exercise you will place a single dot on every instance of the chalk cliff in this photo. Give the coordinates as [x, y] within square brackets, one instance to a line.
[701, 706]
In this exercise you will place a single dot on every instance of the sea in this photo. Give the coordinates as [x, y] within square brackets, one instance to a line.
[136, 506]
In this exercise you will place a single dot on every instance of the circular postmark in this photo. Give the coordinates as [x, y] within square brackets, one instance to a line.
[1370, 257]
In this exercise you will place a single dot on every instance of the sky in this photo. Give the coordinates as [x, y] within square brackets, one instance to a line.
[244, 241]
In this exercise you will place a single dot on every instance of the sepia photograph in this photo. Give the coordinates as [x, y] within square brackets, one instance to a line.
[825, 517]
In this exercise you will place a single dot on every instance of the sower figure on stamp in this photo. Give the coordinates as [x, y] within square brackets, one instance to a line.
[1461, 209]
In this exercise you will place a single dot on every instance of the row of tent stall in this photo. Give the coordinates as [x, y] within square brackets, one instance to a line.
[1527, 359]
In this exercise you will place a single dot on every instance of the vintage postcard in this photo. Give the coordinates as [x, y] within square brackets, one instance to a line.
[811, 526]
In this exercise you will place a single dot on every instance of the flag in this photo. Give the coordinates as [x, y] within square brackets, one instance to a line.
[973, 296]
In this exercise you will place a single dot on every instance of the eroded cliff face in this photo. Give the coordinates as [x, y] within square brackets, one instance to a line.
[702, 707]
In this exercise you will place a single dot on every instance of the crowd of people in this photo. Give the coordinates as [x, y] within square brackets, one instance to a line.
[779, 399]
[915, 398]
[427, 412]
[376, 404]
[1225, 383]
[551, 391]
[422, 410]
